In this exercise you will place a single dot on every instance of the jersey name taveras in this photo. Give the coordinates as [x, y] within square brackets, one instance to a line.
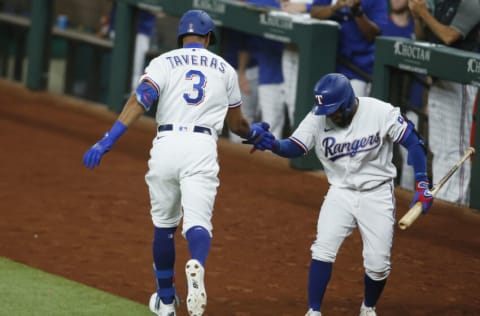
[195, 86]
[360, 155]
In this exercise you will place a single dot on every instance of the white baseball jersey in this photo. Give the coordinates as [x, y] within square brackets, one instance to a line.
[360, 155]
[194, 86]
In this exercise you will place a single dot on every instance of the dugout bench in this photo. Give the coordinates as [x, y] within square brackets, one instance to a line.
[393, 53]
[13, 40]
[37, 39]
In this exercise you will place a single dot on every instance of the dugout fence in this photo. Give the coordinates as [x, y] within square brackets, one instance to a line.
[395, 53]
[315, 40]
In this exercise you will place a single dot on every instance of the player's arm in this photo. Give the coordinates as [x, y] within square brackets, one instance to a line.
[131, 111]
[416, 152]
[417, 158]
[145, 95]
[237, 122]
[288, 148]
[255, 134]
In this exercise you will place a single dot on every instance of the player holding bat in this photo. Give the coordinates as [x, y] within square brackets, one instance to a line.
[353, 138]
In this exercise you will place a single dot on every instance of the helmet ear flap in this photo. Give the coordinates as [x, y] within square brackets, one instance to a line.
[347, 106]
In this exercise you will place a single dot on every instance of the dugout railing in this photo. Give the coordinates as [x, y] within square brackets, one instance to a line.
[395, 53]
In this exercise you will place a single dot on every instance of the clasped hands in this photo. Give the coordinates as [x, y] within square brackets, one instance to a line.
[260, 137]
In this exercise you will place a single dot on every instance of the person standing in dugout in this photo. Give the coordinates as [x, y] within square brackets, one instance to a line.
[353, 139]
[451, 105]
[195, 91]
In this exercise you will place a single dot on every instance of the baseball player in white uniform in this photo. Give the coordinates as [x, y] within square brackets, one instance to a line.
[195, 90]
[353, 139]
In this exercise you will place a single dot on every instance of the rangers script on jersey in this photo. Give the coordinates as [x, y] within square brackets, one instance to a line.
[375, 127]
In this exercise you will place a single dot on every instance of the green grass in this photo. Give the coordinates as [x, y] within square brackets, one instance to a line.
[28, 292]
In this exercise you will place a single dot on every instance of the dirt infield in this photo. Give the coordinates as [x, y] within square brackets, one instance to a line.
[94, 226]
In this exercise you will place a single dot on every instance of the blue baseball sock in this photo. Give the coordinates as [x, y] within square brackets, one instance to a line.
[318, 278]
[373, 290]
[164, 261]
[198, 239]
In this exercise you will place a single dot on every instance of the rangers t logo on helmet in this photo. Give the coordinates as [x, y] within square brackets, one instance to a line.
[332, 92]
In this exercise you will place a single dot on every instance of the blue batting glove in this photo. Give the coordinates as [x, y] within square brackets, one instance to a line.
[423, 195]
[259, 136]
[94, 155]
[257, 130]
[266, 142]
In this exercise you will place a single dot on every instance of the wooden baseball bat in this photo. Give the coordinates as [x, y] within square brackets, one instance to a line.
[413, 213]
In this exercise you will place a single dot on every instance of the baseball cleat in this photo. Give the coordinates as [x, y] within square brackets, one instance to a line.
[158, 308]
[367, 311]
[311, 312]
[197, 296]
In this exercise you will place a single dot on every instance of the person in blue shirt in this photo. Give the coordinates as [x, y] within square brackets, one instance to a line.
[360, 22]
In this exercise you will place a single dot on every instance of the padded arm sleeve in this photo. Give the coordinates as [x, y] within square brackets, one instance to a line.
[147, 94]
[417, 154]
[287, 148]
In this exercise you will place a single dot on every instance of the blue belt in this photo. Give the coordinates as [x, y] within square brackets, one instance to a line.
[196, 129]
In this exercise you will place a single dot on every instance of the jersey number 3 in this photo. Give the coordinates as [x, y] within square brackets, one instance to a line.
[199, 82]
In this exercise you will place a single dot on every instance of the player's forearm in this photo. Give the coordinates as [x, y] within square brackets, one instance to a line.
[237, 123]
[131, 111]
[416, 153]
[287, 148]
[242, 130]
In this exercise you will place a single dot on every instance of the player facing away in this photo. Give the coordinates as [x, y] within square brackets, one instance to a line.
[353, 139]
[195, 91]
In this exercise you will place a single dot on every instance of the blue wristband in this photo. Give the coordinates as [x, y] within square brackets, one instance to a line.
[117, 130]
[309, 7]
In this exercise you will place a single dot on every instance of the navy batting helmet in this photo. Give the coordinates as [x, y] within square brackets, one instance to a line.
[333, 92]
[196, 22]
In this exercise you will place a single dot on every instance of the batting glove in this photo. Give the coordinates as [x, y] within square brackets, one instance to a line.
[260, 137]
[92, 157]
[423, 195]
